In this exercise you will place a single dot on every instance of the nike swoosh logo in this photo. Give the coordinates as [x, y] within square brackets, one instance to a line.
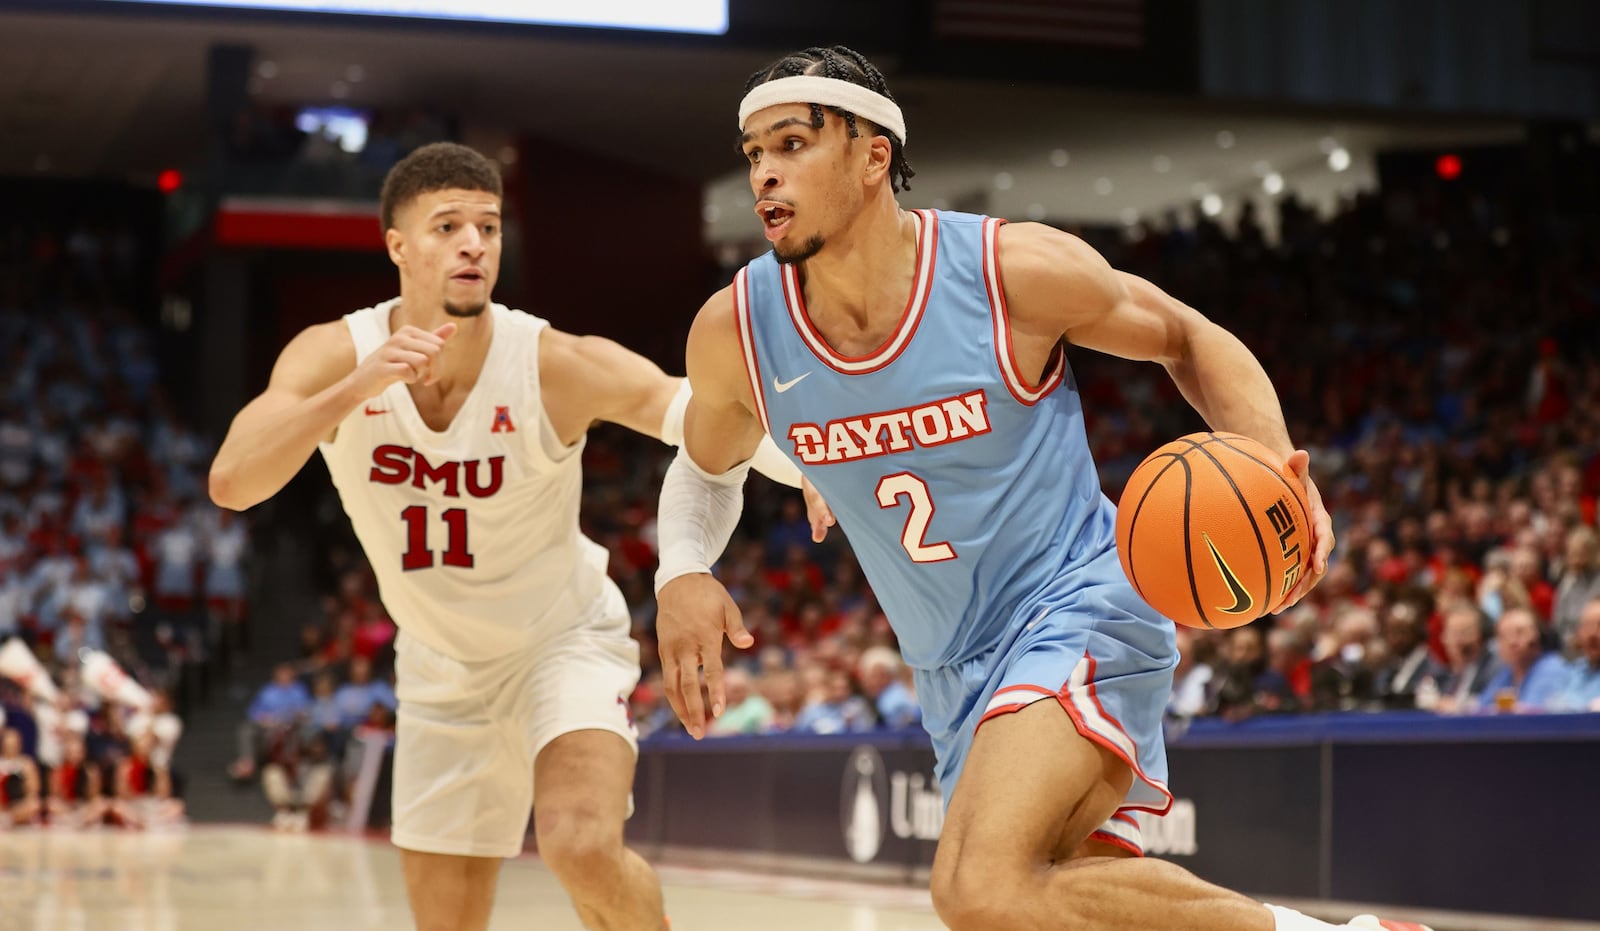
[372, 413]
[1242, 602]
[782, 386]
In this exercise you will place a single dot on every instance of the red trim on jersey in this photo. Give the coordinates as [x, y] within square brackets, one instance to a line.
[910, 318]
[1065, 698]
[1115, 841]
[1084, 728]
[745, 326]
[1004, 353]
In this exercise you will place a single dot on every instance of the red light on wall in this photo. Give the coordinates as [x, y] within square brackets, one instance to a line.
[169, 180]
[1448, 167]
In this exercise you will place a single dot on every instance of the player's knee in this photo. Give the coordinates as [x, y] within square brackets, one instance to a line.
[969, 895]
[583, 850]
[981, 894]
[966, 905]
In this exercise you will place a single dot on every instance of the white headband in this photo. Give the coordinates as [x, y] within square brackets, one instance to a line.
[830, 92]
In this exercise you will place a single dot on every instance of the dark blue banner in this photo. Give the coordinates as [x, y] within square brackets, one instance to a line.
[1491, 815]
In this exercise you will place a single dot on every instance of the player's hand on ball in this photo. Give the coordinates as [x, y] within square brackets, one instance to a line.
[692, 614]
[410, 355]
[1321, 530]
[817, 511]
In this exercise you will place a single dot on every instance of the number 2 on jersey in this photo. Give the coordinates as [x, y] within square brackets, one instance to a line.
[915, 536]
[417, 554]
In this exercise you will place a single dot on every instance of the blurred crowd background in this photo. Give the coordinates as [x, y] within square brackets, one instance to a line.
[1424, 292]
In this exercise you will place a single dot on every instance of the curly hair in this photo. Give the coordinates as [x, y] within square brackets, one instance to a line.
[845, 64]
[437, 166]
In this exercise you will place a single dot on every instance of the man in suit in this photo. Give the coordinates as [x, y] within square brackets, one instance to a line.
[1470, 665]
[1408, 663]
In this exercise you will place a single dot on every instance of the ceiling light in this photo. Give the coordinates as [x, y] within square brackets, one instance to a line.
[1339, 159]
[1103, 186]
[1272, 183]
[1130, 216]
[1060, 158]
[1211, 205]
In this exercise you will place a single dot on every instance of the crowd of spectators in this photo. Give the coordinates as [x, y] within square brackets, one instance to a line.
[1433, 350]
[297, 733]
[109, 555]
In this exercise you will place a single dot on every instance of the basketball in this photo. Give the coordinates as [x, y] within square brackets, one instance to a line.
[1213, 530]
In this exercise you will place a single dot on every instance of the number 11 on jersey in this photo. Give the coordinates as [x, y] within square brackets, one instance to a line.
[417, 554]
[915, 536]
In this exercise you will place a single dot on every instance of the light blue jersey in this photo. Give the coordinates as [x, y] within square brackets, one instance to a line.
[966, 489]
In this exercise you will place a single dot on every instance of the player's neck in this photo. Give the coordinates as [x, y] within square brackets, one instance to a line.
[850, 276]
[464, 353]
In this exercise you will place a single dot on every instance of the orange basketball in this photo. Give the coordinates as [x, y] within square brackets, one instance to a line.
[1213, 530]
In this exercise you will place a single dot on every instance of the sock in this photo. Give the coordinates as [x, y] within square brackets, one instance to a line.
[1290, 920]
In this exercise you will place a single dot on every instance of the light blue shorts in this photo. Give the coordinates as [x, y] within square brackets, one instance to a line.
[1089, 643]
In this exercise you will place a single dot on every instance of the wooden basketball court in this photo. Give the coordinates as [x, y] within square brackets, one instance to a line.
[241, 878]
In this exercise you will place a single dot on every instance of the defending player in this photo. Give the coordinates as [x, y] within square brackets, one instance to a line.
[453, 428]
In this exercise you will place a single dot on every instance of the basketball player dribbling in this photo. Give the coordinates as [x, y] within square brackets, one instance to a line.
[912, 364]
[452, 428]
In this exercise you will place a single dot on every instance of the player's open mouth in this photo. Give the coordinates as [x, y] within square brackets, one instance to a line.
[470, 276]
[774, 218]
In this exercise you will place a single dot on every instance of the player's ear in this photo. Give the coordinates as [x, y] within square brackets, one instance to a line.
[879, 155]
[395, 242]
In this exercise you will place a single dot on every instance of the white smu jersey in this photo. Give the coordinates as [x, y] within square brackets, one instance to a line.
[473, 530]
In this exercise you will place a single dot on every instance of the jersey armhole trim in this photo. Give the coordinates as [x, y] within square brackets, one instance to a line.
[752, 363]
[1004, 353]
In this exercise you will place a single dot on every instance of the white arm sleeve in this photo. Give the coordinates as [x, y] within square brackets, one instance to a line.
[768, 460]
[697, 516]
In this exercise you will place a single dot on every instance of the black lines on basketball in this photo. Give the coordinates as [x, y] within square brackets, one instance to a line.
[1188, 541]
[1133, 576]
[1228, 506]
[1244, 506]
[1293, 493]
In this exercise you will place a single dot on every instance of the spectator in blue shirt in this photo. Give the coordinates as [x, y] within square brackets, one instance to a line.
[839, 711]
[1533, 675]
[280, 704]
[1582, 691]
[355, 698]
[324, 717]
[883, 681]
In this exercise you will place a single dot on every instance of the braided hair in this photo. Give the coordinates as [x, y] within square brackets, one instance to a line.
[846, 65]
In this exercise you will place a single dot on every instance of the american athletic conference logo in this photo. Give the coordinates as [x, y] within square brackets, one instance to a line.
[863, 804]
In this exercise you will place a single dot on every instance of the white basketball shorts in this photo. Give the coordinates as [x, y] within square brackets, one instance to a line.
[467, 734]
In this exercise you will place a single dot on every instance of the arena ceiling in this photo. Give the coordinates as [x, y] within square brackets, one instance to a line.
[124, 96]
